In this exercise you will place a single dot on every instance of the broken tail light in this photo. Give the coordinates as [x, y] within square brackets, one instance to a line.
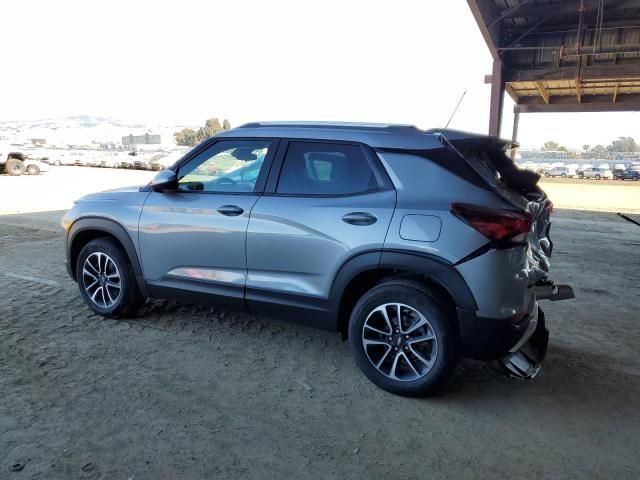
[495, 224]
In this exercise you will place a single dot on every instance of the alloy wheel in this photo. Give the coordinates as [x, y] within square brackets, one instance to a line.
[399, 341]
[101, 280]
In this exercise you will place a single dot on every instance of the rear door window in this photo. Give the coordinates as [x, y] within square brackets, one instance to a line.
[318, 168]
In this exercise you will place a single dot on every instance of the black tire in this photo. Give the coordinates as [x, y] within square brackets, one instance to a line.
[547, 174]
[14, 167]
[129, 299]
[597, 177]
[564, 175]
[443, 325]
[33, 170]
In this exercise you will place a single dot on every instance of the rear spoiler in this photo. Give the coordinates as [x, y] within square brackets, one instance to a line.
[465, 140]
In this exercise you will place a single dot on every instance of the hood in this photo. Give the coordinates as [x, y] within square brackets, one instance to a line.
[114, 194]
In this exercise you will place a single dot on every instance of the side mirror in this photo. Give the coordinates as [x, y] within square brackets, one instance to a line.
[164, 181]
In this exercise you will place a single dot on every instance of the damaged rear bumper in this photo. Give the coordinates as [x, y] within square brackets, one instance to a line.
[525, 359]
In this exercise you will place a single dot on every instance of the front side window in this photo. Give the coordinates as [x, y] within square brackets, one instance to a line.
[326, 169]
[231, 166]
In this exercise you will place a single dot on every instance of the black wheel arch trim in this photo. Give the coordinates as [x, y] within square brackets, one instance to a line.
[113, 228]
[435, 268]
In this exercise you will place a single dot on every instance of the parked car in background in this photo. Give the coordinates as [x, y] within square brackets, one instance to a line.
[627, 175]
[61, 158]
[34, 166]
[580, 170]
[164, 160]
[604, 166]
[109, 161]
[560, 172]
[141, 163]
[598, 173]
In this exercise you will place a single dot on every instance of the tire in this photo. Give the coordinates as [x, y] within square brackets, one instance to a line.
[564, 175]
[597, 177]
[547, 174]
[33, 170]
[121, 301]
[415, 300]
[14, 167]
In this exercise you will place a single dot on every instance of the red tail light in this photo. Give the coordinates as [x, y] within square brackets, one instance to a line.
[494, 224]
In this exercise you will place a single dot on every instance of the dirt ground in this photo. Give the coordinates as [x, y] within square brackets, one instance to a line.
[190, 392]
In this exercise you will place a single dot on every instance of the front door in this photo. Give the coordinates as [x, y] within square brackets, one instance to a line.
[192, 241]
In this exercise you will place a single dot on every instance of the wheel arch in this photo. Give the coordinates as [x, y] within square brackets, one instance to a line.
[362, 272]
[84, 230]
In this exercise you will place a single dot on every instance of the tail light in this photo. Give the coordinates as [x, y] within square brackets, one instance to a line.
[495, 224]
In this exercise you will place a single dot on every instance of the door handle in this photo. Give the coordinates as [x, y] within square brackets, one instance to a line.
[231, 210]
[359, 218]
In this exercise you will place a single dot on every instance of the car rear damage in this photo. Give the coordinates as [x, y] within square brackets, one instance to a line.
[525, 226]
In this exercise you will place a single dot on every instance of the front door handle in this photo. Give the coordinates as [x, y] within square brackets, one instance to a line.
[231, 210]
[359, 218]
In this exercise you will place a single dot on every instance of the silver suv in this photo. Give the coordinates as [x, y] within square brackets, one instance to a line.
[418, 246]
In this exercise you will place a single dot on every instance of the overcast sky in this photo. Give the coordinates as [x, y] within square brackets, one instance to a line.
[180, 62]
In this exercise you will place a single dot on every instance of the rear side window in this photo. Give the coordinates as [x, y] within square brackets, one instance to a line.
[312, 168]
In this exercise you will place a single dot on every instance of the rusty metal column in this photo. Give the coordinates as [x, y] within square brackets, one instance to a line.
[497, 97]
[514, 135]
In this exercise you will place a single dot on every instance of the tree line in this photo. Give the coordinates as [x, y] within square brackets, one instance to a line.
[189, 137]
[620, 145]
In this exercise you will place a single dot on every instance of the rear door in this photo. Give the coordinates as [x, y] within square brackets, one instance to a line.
[193, 240]
[330, 201]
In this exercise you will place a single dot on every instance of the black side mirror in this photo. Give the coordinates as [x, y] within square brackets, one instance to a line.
[164, 181]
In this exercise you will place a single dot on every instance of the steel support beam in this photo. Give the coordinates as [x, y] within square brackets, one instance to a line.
[514, 134]
[497, 99]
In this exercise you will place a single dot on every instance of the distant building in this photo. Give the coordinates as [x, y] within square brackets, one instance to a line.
[146, 139]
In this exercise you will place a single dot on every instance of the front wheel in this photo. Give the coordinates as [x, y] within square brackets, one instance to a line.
[547, 174]
[597, 177]
[33, 170]
[564, 175]
[106, 279]
[402, 339]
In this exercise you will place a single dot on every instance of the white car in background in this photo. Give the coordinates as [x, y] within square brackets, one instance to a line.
[560, 172]
[598, 173]
[109, 161]
[35, 167]
[604, 166]
[164, 160]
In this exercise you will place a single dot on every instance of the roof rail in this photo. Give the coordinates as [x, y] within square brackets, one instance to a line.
[335, 125]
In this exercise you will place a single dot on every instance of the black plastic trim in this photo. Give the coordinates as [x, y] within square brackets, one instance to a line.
[111, 227]
[199, 292]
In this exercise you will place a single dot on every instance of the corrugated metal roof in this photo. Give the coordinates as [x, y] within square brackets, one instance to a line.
[551, 49]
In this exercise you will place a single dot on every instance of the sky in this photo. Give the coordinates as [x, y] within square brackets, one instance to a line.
[181, 62]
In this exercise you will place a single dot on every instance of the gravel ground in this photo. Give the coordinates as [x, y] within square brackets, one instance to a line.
[189, 392]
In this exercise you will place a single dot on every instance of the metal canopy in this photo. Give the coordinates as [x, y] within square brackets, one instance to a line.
[562, 55]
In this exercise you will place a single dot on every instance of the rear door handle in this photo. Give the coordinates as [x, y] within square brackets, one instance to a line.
[231, 210]
[359, 218]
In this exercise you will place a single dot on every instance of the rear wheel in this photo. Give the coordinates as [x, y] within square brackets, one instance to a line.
[14, 167]
[402, 339]
[564, 175]
[33, 170]
[547, 174]
[106, 279]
